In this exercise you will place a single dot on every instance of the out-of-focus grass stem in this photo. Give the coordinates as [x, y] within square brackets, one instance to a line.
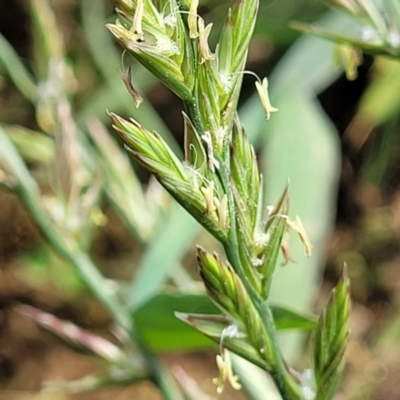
[66, 247]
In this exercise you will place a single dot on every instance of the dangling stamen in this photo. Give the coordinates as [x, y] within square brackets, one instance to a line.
[262, 89]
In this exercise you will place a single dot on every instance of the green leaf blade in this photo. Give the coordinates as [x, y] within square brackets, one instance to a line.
[162, 330]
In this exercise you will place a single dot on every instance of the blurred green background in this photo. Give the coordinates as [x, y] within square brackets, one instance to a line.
[336, 141]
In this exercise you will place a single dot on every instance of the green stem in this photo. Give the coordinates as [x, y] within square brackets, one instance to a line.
[283, 380]
[285, 383]
[19, 75]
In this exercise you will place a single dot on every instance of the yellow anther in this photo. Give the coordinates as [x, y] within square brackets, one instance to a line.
[225, 373]
[262, 89]
[192, 19]
[204, 50]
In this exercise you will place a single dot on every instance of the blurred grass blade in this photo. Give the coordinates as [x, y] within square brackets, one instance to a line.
[368, 47]
[102, 50]
[16, 70]
[35, 147]
[11, 162]
[285, 318]
[48, 45]
[164, 252]
[394, 7]
[73, 334]
[162, 330]
[385, 87]
[313, 59]
[377, 23]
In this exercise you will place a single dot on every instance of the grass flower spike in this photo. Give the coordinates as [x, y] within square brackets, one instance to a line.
[219, 183]
[69, 168]
[159, 43]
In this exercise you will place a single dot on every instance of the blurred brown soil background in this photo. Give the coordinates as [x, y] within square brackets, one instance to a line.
[366, 236]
